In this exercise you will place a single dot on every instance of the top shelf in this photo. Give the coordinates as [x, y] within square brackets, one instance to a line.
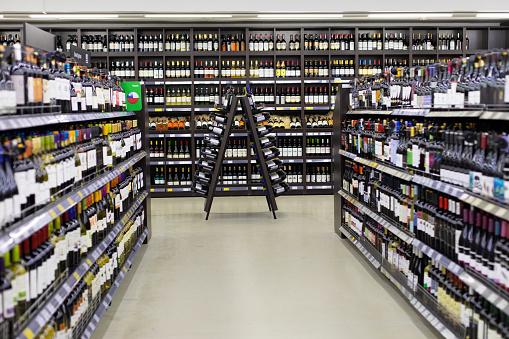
[485, 113]
[15, 122]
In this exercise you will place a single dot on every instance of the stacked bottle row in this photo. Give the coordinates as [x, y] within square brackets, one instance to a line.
[479, 79]
[39, 167]
[471, 155]
[456, 302]
[233, 175]
[176, 176]
[236, 148]
[204, 123]
[169, 124]
[33, 266]
[37, 82]
[178, 148]
[71, 317]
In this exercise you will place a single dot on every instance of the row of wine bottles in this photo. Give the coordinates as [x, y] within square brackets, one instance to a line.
[32, 266]
[472, 155]
[176, 176]
[458, 303]
[71, 318]
[167, 124]
[479, 79]
[43, 166]
[37, 82]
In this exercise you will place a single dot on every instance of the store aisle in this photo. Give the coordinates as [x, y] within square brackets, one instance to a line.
[243, 274]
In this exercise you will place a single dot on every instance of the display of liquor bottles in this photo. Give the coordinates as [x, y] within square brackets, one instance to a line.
[94, 43]
[71, 40]
[121, 43]
[206, 95]
[10, 39]
[71, 318]
[342, 42]
[122, 69]
[318, 146]
[290, 146]
[318, 174]
[233, 69]
[149, 43]
[394, 63]
[236, 148]
[316, 95]
[264, 94]
[459, 84]
[176, 96]
[450, 42]
[178, 176]
[261, 44]
[38, 82]
[342, 68]
[169, 123]
[372, 42]
[316, 68]
[394, 41]
[316, 42]
[261, 69]
[290, 69]
[178, 69]
[151, 70]
[155, 96]
[233, 42]
[177, 43]
[423, 43]
[293, 174]
[287, 95]
[177, 148]
[31, 268]
[422, 62]
[234, 175]
[206, 42]
[319, 122]
[369, 67]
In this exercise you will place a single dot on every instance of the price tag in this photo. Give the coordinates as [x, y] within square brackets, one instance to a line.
[226, 189]
[170, 189]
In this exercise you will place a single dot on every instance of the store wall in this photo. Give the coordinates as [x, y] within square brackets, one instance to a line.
[243, 6]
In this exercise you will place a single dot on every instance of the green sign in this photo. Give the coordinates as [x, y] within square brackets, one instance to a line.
[132, 95]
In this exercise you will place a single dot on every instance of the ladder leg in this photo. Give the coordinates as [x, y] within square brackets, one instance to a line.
[274, 214]
[268, 202]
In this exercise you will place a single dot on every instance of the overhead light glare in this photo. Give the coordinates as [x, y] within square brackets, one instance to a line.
[1, 16]
[300, 16]
[188, 15]
[409, 15]
[74, 16]
[493, 15]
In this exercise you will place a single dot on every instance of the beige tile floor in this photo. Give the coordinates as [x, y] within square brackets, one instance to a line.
[243, 274]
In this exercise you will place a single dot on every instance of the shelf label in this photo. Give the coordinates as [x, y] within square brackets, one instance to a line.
[28, 333]
[170, 189]
[226, 189]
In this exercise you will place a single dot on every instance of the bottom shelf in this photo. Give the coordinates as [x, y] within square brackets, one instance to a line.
[94, 321]
[420, 299]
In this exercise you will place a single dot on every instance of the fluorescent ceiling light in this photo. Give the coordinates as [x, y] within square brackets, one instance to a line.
[409, 15]
[299, 16]
[188, 16]
[73, 16]
[493, 15]
[1, 16]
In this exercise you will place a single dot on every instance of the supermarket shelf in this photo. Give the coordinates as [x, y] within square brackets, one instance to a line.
[381, 167]
[455, 114]
[369, 112]
[26, 227]
[16, 122]
[46, 312]
[479, 283]
[318, 133]
[388, 224]
[289, 134]
[170, 162]
[170, 134]
[317, 107]
[177, 189]
[311, 159]
[421, 308]
[410, 112]
[92, 325]
[350, 236]
[232, 188]
[287, 160]
[492, 115]
[318, 187]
